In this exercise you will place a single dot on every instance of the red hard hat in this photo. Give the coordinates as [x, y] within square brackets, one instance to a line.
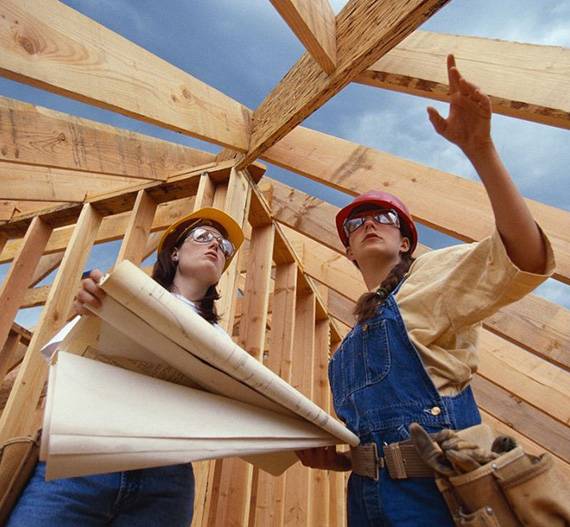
[384, 200]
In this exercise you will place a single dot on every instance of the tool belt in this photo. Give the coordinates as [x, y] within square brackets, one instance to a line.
[401, 460]
[514, 490]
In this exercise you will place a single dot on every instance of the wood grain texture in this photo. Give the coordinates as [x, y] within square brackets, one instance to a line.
[270, 493]
[39, 136]
[51, 46]
[366, 30]
[462, 210]
[298, 500]
[20, 182]
[16, 418]
[526, 81]
[314, 23]
[20, 274]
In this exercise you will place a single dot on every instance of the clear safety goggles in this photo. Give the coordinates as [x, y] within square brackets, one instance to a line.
[202, 235]
[384, 217]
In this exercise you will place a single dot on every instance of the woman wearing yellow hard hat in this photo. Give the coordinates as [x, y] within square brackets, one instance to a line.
[192, 255]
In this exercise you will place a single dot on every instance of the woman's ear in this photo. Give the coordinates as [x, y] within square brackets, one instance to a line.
[404, 245]
[174, 256]
[349, 254]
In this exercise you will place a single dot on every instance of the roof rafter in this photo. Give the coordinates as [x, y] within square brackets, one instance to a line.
[462, 210]
[314, 23]
[526, 81]
[366, 30]
[51, 46]
[58, 140]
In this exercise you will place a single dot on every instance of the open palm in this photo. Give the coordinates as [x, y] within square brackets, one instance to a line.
[468, 124]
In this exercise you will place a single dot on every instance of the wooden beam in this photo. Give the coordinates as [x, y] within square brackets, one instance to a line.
[533, 323]
[319, 512]
[315, 26]
[54, 184]
[20, 275]
[18, 418]
[236, 477]
[52, 46]
[462, 210]
[298, 500]
[366, 30]
[115, 202]
[138, 229]
[11, 209]
[39, 136]
[526, 81]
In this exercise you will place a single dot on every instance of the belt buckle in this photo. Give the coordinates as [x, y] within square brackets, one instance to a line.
[366, 462]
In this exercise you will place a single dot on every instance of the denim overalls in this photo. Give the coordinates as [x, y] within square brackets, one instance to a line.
[379, 387]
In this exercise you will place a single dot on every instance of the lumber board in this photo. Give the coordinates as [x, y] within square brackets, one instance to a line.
[115, 202]
[8, 353]
[138, 229]
[298, 499]
[19, 417]
[20, 274]
[463, 210]
[11, 209]
[314, 24]
[52, 46]
[319, 481]
[20, 182]
[236, 197]
[39, 136]
[268, 508]
[35, 296]
[533, 323]
[365, 31]
[526, 81]
[527, 420]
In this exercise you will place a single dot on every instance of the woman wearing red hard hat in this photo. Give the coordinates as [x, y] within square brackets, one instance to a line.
[192, 255]
[412, 354]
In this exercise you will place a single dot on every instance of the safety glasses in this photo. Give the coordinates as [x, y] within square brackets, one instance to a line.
[202, 235]
[384, 217]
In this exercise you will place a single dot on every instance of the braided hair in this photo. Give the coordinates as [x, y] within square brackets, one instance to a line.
[368, 303]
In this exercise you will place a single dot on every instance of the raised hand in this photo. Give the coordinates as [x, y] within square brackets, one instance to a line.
[468, 124]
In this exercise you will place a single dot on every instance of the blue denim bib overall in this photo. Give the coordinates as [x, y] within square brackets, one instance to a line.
[379, 387]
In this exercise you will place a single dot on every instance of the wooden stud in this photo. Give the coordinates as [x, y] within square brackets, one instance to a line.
[298, 499]
[236, 476]
[320, 488]
[463, 209]
[526, 81]
[20, 274]
[315, 26]
[269, 505]
[138, 229]
[164, 95]
[366, 30]
[19, 416]
[9, 353]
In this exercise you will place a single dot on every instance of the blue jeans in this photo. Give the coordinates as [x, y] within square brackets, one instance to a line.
[138, 498]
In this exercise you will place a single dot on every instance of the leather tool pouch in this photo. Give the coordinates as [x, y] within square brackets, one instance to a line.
[514, 490]
[18, 458]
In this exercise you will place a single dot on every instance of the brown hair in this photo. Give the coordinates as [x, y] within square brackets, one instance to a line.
[368, 303]
[165, 268]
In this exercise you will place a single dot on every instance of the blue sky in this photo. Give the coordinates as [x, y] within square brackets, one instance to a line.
[243, 48]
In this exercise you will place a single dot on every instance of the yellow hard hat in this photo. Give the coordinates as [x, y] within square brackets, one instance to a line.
[233, 231]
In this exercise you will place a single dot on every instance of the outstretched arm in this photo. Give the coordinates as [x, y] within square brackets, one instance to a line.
[469, 127]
